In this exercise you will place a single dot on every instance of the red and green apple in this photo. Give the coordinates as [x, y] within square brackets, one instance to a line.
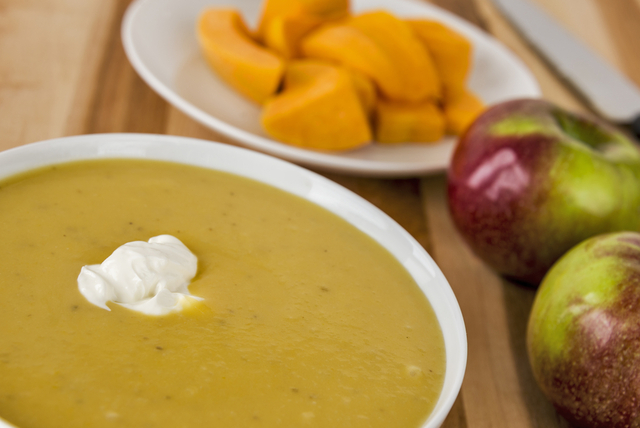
[529, 180]
[583, 336]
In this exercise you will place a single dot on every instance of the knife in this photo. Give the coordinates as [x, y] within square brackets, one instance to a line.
[609, 92]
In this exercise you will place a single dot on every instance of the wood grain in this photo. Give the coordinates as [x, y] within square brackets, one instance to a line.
[466, 9]
[43, 45]
[499, 385]
[63, 71]
[121, 101]
[621, 19]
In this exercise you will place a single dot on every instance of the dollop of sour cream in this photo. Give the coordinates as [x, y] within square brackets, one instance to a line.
[150, 277]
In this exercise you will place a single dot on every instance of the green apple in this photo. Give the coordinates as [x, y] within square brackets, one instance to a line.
[583, 336]
[529, 180]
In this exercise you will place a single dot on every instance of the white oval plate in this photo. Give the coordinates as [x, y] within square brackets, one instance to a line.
[160, 42]
[289, 178]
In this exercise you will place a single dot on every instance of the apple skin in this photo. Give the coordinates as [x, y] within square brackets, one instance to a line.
[529, 180]
[583, 336]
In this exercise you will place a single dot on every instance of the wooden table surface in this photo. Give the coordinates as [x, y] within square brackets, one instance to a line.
[63, 72]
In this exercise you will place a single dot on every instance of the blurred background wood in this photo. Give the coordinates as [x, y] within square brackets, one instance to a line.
[63, 72]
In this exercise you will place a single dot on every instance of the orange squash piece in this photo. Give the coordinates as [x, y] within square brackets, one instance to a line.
[366, 90]
[460, 110]
[399, 43]
[384, 48]
[451, 52]
[399, 122]
[283, 33]
[323, 10]
[346, 45]
[248, 67]
[319, 108]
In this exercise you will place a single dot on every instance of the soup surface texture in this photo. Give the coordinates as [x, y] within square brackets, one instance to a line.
[306, 321]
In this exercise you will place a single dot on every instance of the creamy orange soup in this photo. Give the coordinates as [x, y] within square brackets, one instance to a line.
[306, 320]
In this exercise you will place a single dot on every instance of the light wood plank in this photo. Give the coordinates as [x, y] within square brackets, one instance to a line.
[179, 123]
[63, 71]
[499, 389]
[622, 18]
[89, 76]
[122, 101]
[463, 8]
[466, 276]
[43, 45]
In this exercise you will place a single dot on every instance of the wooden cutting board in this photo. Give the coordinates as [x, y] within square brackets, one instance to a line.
[63, 72]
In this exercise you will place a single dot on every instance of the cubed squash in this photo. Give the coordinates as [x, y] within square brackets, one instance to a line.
[251, 69]
[283, 33]
[397, 40]
[315, 9]
[400, 122]
[342, 44]
[318, 108]
[451, 52]
[384, 48]
[366, 90]
[460, 110]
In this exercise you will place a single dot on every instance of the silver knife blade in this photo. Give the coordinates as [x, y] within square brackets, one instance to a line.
[610, 93]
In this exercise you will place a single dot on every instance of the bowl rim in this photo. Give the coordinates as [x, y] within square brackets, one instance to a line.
[292, 179]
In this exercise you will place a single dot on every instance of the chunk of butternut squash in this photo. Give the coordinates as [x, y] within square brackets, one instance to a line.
[451, 52]
[342, 44]
[251, 69]
[382, 47]
[309, 9]
[283, 32]
[399, 122]
[318, 108]
[460, 110]
[404, 49]
[366, 90]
